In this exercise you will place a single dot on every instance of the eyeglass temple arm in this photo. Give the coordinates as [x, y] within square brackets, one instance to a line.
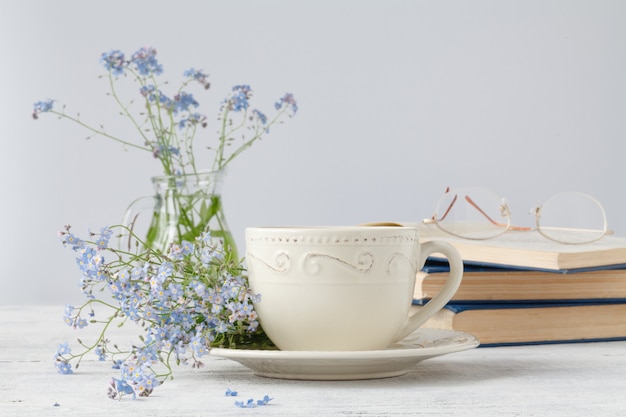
[433, 219]
[477, 207]
[492, 221]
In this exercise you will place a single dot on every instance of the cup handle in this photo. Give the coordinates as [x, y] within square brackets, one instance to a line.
[447, 292]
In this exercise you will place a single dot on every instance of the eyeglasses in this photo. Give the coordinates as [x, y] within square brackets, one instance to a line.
[476, 213]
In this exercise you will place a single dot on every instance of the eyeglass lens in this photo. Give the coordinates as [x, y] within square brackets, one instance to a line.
[572, 217]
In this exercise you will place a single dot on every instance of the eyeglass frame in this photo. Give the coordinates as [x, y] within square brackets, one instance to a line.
[505, 212]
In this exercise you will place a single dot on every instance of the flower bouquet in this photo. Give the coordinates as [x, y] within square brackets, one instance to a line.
[186, 300]
[182, 284]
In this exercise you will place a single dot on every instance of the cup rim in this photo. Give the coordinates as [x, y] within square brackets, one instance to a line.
[332, 227]
[332, 234]
[356, 228]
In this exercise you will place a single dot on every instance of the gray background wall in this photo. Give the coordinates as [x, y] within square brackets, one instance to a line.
[398, 99]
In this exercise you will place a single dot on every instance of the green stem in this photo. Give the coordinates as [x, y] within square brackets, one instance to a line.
[258, 134]
[99, 132]
[125, 110]
[98, 339]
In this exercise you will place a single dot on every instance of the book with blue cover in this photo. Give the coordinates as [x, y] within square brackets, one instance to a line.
[498, 283]
[498, 324]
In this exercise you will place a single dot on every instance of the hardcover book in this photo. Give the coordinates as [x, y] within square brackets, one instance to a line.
[530, 249]
[534, 323]
[497, 283]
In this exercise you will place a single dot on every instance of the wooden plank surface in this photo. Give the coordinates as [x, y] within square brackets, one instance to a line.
[555, 380]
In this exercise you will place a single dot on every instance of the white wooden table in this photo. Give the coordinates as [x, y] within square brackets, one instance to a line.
[551, 380]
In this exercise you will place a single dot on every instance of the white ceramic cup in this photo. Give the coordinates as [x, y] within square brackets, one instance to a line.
[341, 288]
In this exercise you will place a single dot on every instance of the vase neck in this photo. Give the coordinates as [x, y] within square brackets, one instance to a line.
[209, 182]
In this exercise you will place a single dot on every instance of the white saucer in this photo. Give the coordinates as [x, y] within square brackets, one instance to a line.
[336, 365]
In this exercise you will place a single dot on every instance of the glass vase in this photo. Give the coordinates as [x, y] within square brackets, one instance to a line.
[183, 207]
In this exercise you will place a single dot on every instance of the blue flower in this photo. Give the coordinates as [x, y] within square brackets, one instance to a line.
[199, 76]
[106, 232]
[100, 353]
[156, 96]
[147, 355]
[64, 367]
[89, 262]
[130, 371]
[123, 275]
[193, 119]
[199, 288]
[139, 272]
[251, 403]
[145, 61]
[118, 388]
[149, 92]
[165, 101]
[216, 309]
[156, 289]
[175, 291]
[222, 327]
[102, 243]
[75, 242]
[183, 101]
[248, 404]
[184, 320]
[160, 332]
[260, 116]
[244, 89]
[42, 107]
[158, 150]
[164, 271]
[231, 393]
[187, 247]
[116, 289]
[198, 344]
[67, 316]
[145, 385]
[63, 349]
[253, 326]
[239, 102]
[289, 101]
[131, 305]
[239, 97]
[265, 400]
[114, 61]
[176, 252]
[205, 237]
[137, 378]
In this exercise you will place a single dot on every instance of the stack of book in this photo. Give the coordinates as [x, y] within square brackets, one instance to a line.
[521, 288]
